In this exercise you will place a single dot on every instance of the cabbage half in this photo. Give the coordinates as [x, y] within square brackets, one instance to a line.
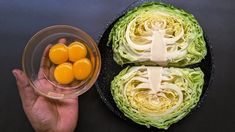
[156, 96]
[157, 34]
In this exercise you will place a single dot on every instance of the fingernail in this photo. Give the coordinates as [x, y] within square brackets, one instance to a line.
[62, 40]
[14, 72]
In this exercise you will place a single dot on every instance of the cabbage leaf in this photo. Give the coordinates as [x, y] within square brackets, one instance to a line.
[156, 96]
[157, 34]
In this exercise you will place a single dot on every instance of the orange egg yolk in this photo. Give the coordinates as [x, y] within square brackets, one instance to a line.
[82, 69]
[77, 51]
[63, 73]
[58, 53]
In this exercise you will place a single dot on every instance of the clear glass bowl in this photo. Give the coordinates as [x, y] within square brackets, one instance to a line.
[43, 82]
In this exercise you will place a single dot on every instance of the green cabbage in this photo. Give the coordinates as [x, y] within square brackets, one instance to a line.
[157, 34]
[156, 96]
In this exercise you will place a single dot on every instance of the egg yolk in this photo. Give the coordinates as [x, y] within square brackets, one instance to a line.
[82, 69]
[63, 73]
[58, 53]
[77, 51]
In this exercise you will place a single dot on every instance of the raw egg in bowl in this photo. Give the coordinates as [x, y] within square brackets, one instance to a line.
[61, 62]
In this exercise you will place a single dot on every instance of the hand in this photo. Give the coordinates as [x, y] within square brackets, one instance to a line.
[43, 113]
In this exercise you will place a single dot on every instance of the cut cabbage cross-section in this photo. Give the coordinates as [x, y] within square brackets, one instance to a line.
[157, 34]
[156, 96]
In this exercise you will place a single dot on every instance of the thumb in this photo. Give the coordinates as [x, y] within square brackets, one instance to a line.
[27, 93]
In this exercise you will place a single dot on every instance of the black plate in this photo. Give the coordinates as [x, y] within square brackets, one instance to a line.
[110, 68]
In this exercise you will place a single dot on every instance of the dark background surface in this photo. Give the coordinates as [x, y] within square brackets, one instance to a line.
[19, 20]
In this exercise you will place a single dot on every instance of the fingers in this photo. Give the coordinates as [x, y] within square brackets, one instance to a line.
[44, 65]
[45, 55]
[27, 93]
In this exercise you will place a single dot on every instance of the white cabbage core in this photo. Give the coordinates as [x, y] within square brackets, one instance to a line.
[149, 90]
[156, 36]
